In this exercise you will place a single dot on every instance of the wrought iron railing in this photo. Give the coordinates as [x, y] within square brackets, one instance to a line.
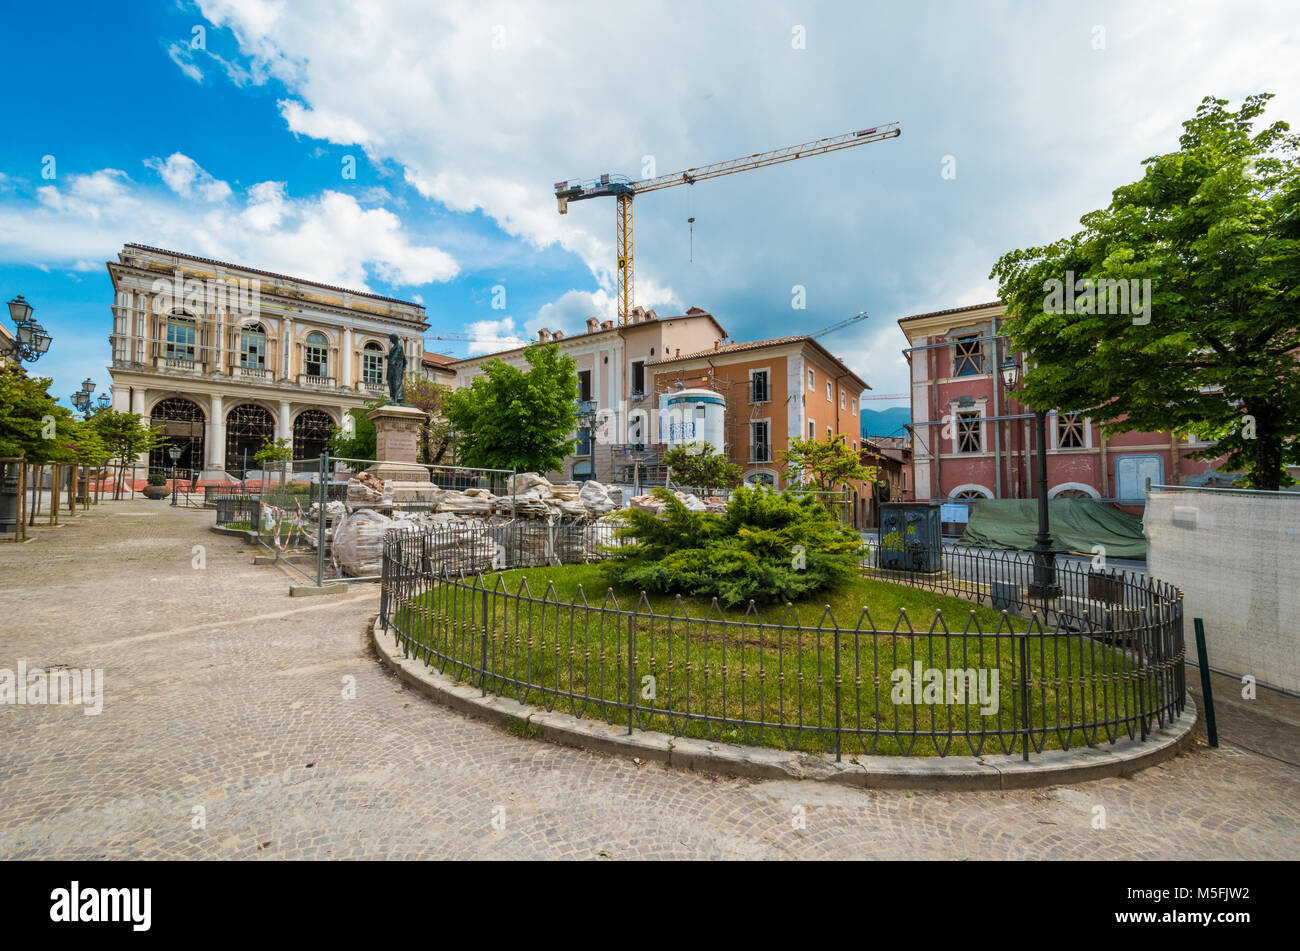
[242, 511]
[1008, 683]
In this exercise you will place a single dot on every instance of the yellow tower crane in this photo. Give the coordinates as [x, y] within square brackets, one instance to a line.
[624, 189]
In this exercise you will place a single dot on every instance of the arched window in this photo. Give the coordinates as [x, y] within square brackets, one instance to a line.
[372, 363]
[180, 337]
[249, 427]
[316, 355]
[181, 423]
[970, 491]
[311, 434]
[252, 347]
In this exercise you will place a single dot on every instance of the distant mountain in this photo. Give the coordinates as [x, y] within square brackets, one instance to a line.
[885, 422]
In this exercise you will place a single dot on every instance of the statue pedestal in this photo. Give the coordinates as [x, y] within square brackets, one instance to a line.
[397, 438]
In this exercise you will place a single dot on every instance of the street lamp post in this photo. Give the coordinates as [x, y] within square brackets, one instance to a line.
[1044, 584]
[175, 452]
[30, 338]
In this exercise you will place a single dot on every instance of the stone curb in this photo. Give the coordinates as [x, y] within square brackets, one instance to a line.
[248, 537]
[989, 772]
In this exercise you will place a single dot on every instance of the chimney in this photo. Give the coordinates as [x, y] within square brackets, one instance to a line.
[678, 353]
[651, 315]
[543, 335]
[607, 325]
[716, 342]
[593, 324]
[557, 335]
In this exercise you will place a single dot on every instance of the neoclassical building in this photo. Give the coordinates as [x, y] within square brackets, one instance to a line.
[223, 357]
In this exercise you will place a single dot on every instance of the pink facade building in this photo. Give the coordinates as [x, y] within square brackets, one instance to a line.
[970, 441]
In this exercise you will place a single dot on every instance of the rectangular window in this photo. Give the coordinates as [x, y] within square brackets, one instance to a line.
[638, 377]
[841, 399]
[829, 398]
[758, 387]
[584, 385]
[968, 432]
[1070, 433]
[584, 443]
[812, 429]
[760, 442]
[968, 356]
[252, 351]
[180, 340]
[829, 432]
[855, 406]
[372, 367]
[812, 380]
[315, 360]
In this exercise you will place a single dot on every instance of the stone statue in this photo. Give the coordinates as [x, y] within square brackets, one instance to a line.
[396, 372]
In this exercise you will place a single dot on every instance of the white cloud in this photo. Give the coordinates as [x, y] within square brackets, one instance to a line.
[491, 336]
[327, 237]
[183, 57]
[183, 175]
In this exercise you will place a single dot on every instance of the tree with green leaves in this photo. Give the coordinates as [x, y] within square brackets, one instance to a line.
[698, 465]
[360, 443]
[125, 436]
[825, 464]
[435, 432]
[508, 418]
[1175, 308]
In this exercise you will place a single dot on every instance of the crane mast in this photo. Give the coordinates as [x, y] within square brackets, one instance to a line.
[623, 189]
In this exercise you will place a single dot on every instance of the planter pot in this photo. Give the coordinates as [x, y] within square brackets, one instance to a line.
[155, 492]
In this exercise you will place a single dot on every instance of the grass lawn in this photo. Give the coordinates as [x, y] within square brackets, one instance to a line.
[771, 672]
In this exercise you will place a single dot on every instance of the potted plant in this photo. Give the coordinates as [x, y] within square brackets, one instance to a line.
[157, 487]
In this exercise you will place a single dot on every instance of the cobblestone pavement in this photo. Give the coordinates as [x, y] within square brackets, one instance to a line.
[224, 703]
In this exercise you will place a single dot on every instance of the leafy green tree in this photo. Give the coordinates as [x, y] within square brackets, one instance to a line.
[435, 432]
[25, 404]
[1211, 351]
[511, 418]
[825, 464]
[361, 443]
[766, 546]
[125, 436]
[698, 465]
[274, 450]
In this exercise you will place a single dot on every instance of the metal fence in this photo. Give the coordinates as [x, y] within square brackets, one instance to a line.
[903, 685]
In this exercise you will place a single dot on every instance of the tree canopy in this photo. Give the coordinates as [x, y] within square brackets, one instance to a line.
[1204, 249]
[825, 464]
[508, 418]
[698, 465]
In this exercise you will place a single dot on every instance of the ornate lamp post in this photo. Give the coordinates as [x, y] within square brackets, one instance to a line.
[1044, 584]
[175, 452]
[30, 338]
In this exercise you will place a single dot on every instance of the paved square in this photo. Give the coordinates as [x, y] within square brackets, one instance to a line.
[224, 702]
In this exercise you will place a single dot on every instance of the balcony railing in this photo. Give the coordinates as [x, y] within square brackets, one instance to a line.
[310, 379]
[183, 364]
[365, 386]
[251, 373]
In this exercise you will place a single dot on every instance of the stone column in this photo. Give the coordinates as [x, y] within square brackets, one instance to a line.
[284, 428]
[137, 400]
[217, 434]
[346, 378]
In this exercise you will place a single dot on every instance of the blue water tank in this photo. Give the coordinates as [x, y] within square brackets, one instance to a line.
[911, 538]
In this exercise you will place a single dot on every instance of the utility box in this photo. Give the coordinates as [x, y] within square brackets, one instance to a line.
[910, 536]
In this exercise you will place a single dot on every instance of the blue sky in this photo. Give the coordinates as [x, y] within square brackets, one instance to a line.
[222, 129]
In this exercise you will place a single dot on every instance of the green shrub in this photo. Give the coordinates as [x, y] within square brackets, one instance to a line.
[767, 546]
[157, 478]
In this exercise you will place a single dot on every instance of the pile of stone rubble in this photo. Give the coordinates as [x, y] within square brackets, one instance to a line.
[533, 523]
[648, 503]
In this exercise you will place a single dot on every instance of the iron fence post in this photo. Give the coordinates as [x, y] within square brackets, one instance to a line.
[483, 644]
[1024, 692]
[1207, 693]
[322, 520]
[631, 663]
[838, 727]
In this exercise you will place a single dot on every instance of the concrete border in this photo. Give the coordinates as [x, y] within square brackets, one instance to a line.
[248, 536]
[994, 771]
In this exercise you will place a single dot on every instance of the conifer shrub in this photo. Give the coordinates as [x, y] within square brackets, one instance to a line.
[767, 546]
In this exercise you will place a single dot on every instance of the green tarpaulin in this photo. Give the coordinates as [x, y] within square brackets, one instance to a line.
[1076, 525]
